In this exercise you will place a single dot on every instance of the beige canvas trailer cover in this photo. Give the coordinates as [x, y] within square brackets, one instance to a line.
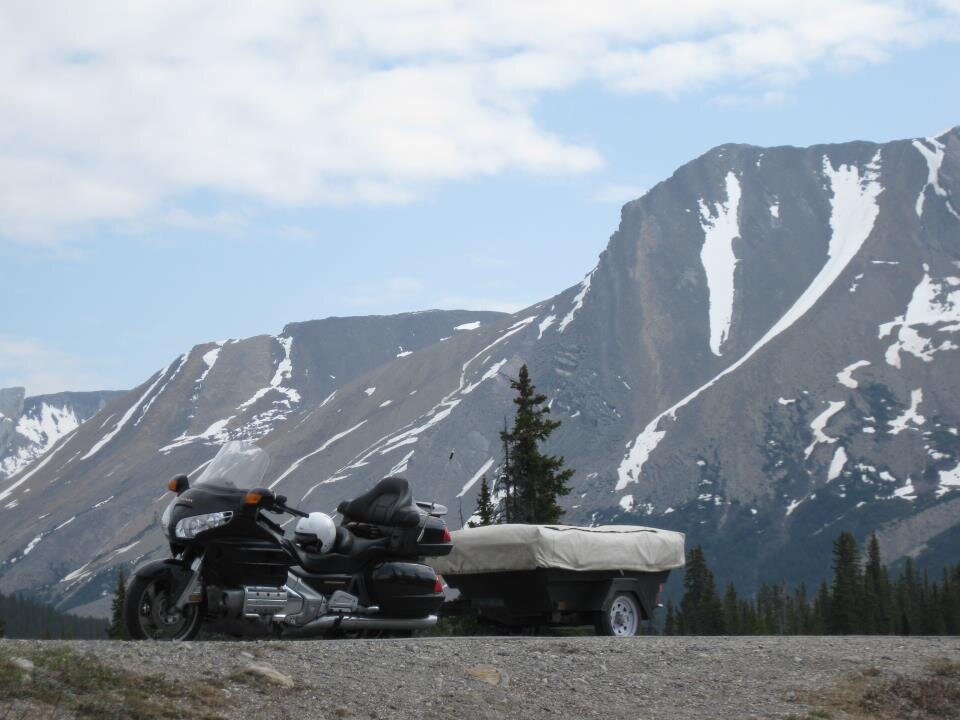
[508, 548]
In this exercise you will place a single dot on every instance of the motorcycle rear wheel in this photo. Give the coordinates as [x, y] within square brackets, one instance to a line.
[149, 611]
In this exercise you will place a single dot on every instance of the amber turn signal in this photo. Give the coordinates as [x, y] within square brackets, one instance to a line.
[253, 498]
[178, 484]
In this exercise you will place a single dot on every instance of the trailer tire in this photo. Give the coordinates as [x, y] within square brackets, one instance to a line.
[621, 618]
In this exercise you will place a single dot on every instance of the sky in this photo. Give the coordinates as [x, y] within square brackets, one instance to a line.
[178, 172]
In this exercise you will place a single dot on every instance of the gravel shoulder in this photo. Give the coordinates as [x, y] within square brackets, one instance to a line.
[492, 677]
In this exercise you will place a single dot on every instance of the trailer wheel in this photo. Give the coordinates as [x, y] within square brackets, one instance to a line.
[622, 618]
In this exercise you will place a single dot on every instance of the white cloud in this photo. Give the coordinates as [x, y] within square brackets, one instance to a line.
[117, 112]
[42, 369]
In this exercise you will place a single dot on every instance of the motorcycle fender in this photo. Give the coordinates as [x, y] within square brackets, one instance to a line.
[178, 570]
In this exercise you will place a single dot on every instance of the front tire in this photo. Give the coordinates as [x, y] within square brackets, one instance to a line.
[622, 618]
[149, 611]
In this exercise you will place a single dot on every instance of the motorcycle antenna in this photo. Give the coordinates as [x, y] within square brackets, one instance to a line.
[446, 468]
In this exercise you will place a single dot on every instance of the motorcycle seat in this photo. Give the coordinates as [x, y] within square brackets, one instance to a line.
[389, 502]
[349, 554]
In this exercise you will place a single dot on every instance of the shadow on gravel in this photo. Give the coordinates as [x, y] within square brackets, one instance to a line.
[872, 694]
[58, 682]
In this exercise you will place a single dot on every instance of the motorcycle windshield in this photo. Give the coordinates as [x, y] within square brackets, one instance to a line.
[240, 464]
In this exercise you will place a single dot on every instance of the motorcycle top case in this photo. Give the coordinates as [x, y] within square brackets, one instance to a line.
[429, 539]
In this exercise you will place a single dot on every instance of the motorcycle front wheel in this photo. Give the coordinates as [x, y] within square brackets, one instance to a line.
[150, 613]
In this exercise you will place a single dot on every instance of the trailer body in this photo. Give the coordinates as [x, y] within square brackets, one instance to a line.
[529, 576]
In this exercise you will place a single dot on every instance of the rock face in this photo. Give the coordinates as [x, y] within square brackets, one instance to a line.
[29, 426]
[765, 354]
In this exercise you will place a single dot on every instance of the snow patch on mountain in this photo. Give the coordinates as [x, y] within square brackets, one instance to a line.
[326, 444]
[932, 308]
[819, 423]
[126, 417]
[837, 463]
[7, 491]
[476, 477]
[577, 301]
[146, 408]
[853, 212]
[845, 376]
[545, 324]
[284, 372]
[949, 480]
[934, 158]
[401, 466]
[910, 415]
[720, 229]
[43, 430]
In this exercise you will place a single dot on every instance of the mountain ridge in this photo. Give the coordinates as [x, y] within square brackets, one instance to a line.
[702, 371]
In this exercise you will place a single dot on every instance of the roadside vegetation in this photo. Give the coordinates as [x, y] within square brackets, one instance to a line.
[57, 681]
[26, 618]
[861, 599]
[873, 694]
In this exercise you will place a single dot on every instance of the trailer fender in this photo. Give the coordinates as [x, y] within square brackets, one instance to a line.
[618, 586]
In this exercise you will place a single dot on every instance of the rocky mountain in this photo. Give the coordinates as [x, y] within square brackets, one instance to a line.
[29, 426]
[765, 353]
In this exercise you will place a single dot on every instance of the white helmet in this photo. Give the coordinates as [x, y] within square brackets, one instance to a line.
[316, 532]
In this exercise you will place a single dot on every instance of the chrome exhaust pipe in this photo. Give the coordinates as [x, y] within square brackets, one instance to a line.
[361, 622]
[364, 622]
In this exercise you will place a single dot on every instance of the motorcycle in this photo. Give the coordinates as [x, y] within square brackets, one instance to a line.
[233, 566]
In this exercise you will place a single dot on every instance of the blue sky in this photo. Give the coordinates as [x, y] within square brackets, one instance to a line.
[132, 229]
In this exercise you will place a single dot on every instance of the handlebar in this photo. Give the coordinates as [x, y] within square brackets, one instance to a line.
[280, 505]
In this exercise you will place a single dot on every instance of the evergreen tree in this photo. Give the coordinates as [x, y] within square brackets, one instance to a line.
[532, 481]
[25, 617]
[670, 622]
[485, 509]
[951, 603]
[875, 613]
[907, 600]
[845, 600]
[118, 629]
[700, 608]
[821, 610]
[732, 611]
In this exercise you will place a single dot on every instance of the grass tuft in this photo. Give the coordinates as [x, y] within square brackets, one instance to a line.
[875, 695]
[81, 685]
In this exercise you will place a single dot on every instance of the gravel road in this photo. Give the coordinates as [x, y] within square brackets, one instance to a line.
[530, 678]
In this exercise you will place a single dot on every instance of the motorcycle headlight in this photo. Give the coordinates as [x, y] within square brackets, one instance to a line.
[192, 526]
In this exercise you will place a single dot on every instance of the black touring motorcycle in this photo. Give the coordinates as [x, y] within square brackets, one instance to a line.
[233, 566]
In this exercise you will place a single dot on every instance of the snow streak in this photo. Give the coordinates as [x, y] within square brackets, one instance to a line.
[330, 441]
[720, 229]
[476, 476]
[854, 210]
[845, 376]
[934, 160]
[577, 301]
[126, 417]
